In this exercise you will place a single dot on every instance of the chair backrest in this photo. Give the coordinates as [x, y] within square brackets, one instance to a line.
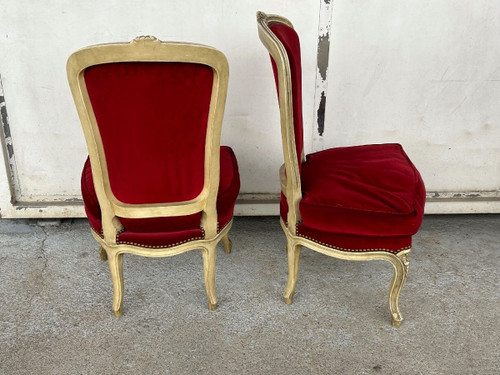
[152, 113]
[279, 37]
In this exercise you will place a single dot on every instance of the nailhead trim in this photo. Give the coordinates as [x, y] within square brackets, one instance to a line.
[345, 249]
[163, 247]
[100, 234]
[224, 227]
[159, 247]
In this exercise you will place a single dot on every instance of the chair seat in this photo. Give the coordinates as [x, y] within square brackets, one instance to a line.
[361, 198]
[167, 231]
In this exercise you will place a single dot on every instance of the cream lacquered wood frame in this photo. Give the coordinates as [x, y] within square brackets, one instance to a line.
[150, 49]
[291, 184]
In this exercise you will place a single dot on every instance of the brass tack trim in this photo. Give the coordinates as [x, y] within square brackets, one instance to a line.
[345, 249]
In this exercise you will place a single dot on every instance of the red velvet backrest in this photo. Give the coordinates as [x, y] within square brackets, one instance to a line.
[290, 41]
[152, 118]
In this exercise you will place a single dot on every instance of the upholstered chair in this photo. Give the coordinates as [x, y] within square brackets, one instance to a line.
[357, 203]
[157, 182]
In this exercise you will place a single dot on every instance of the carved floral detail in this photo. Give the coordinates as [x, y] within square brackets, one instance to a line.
[405, 259]
[261, 17]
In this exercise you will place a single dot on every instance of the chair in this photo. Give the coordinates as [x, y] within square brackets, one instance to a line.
[156, 183]
[355, 203]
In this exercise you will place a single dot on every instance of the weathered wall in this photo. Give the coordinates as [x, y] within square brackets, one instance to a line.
[425, 74]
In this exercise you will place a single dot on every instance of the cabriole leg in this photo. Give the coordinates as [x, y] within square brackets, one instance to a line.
[228, 245]
[209, 273]
[401, 263]
[293, 251]
[115, 261]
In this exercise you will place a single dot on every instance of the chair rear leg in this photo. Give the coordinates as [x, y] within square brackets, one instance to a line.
[401, 264]
[102, 254]
[208, 254]
[228, 245]
[293, 251]
[115, 261]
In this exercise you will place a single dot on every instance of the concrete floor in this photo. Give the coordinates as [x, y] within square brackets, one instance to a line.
[55, 306]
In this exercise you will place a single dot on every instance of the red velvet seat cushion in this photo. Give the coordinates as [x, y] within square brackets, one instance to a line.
[168, 231]
[362, 197]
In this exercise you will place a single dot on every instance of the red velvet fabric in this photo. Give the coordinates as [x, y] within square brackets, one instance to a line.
[168, 231]
[152, 118]
[347, 242]
[361, 197]
[355, 243]
[290, 41]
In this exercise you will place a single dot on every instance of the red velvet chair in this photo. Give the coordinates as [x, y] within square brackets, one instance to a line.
[157, 183]
[358, 203]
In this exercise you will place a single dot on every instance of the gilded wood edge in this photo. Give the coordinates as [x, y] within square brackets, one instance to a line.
[267, 18]
[293, 191]
[147, 48]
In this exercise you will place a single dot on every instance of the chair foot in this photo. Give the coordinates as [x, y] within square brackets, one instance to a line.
[102, 254]
[396, 321]
[228, 244]
[119, 312]
[289, 300]
[212, 306]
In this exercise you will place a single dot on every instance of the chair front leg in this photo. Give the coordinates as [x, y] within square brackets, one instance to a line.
[401, 265]
[115, 261]
[228, 245]
[208, 254]
[293, 251]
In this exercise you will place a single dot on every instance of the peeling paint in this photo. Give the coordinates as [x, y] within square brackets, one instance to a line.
[10, 150]
[473, 195]
[491, 195]
[321, 114]
[3, 115]
[19, 208]
[73, 200]
[323, 53]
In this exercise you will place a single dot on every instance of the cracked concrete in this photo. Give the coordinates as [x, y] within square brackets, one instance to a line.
[55, 306]
[37, 275]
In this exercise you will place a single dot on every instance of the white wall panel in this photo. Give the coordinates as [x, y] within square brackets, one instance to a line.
[37, 37]
[426, 74]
